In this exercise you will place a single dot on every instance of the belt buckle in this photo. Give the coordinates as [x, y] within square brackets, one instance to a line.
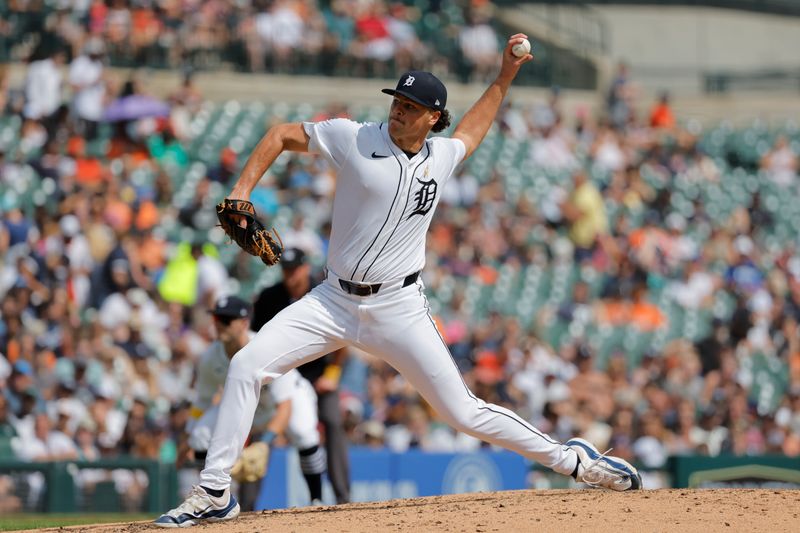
[365, 289]
[359, 289]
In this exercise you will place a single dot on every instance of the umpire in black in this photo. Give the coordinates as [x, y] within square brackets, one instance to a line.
[323, 373]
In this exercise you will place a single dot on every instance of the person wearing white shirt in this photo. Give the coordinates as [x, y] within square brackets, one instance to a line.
[48, 444]
[86, 76]
[43, 87]
[478, 43]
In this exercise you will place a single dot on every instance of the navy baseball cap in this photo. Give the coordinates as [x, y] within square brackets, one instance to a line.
[231, 307]
[292, 257]
[423, 88]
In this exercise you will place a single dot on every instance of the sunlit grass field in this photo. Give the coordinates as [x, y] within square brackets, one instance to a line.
[40, 520]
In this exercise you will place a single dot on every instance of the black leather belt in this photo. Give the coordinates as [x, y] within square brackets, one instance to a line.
[365, 289]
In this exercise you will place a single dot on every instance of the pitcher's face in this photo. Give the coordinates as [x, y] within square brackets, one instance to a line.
[410, 119]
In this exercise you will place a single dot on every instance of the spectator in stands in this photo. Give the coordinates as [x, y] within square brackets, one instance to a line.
[304, 237]
[781, 162]
[645, 315]
[8, 435]
[478, 42]
[340, 25]
[109, 420]
[19, 229]
[96, 15]
[371, 434]
[33, 136]
[661, 115]
[88, 81]
[87, 170]
[145, 28]
[585, 212]
[286, 34]
[43, 86]
[552, 150]
[696, 288]
[113, 276]
[461, 190]
[590, 386]
[373, 45]
[20, 383]
[227, 167]
[650, 447]
[512, 121]
[621, 95]
[607, 152]
[410, 52]
[47, 444]
[743, 274]
[201, 201]
[212, 277]
[85, 442]
[186, 101]
[166, 149]
[118, 27]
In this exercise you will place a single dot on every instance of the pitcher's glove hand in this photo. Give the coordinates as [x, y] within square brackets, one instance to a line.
[253, 238]
[252, 463]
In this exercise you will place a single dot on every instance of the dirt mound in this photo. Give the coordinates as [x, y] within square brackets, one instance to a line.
[675, 510]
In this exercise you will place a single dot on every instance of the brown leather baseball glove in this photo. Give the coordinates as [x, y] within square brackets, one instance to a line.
[253, 238]
[252, 463]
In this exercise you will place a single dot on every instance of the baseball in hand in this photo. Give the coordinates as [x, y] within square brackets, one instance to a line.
[521, 49]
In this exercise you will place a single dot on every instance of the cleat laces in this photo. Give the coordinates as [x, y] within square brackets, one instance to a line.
[594, 473]
[197, 501]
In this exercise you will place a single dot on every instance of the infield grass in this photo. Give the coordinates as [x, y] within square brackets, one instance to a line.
[40, 520]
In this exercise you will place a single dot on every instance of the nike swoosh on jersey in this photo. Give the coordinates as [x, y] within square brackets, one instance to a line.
[378, 156]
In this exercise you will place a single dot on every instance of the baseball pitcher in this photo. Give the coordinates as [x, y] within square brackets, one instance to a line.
[390, 177]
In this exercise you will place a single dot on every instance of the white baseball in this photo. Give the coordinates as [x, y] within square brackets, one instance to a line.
[521, 49]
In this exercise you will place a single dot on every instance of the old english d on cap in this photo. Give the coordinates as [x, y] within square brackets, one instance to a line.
[423, 88]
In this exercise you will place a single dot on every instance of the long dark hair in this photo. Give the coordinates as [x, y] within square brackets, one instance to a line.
[443, 123]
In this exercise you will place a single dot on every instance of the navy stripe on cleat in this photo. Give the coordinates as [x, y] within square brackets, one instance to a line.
[601, 470]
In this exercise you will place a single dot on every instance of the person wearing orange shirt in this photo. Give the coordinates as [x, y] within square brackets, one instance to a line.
[661, 115]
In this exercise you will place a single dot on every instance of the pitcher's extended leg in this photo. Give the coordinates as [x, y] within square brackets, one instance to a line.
[415, 348]
[300, 333]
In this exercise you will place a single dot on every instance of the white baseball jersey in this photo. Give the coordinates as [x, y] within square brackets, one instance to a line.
[384, 201]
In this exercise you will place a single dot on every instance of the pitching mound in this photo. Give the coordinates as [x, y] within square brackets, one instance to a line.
[676, 510]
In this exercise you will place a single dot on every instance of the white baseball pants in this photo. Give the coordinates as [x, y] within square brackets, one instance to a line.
[302, 431]
[396, 326]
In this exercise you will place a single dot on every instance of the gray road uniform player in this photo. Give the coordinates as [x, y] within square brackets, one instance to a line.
[390, 177]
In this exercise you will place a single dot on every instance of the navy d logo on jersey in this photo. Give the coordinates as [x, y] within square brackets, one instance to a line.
[424, 197]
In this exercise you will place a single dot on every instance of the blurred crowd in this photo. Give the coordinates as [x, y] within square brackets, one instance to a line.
[338, 37]
[103, 304]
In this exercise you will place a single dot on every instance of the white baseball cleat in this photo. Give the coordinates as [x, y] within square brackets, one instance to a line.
[601, 470]
[200, 507]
